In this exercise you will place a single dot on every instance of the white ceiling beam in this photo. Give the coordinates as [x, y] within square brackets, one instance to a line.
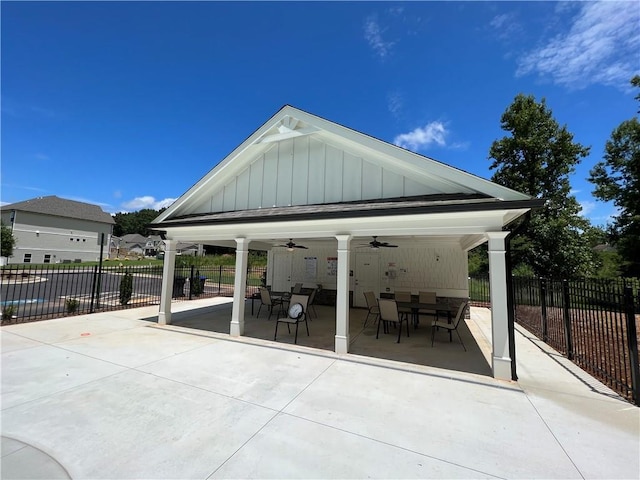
[284, 135]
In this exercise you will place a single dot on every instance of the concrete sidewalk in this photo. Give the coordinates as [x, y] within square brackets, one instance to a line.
[111, 396]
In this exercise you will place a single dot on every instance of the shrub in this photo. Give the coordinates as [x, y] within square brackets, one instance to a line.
[8, 312]
[71, 305]
[126, 288]
[196, 284]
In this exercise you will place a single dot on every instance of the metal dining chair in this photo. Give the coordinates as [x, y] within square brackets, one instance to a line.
[389, 314]
[453, 326]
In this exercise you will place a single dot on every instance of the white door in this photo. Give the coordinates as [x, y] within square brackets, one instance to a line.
[367, 277]
[281, 280]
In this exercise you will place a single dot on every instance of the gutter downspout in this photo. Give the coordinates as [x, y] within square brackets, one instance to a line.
[511, 318]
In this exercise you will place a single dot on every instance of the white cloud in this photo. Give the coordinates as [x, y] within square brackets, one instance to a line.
[434, 132]
[147, 201]
[373, 35]
[395, 103]
[505, 25]
[600, 47]
[587, 206]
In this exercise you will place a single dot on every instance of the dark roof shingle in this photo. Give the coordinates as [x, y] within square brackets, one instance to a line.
[61, 207]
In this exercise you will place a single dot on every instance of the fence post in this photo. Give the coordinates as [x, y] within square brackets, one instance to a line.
[632, 344]
[93, 287]
[219, 278]
[543, 307]
[191, 283]
[567, 319]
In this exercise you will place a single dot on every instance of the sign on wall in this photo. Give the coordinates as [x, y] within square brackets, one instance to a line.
[310, 268]
[332, 266]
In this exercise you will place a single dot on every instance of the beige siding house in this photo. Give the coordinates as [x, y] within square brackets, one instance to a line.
[55, 230]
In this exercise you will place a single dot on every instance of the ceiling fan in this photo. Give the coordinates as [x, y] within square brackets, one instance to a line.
[290, 245]
[376, 244]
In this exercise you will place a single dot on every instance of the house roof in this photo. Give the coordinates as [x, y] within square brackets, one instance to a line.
[134, 238]
[61, 207]
[298, 159]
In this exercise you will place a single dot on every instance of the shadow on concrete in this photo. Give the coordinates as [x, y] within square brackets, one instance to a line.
[415, 349]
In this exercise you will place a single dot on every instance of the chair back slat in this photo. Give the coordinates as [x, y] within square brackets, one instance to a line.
[370, 298]
[297, 288]
[301, 299]
[265, 296]
[427, 297]
[402, 296]
[388, 310]
[460, 315]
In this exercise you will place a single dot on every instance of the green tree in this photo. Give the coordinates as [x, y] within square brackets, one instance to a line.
[135, 222]
[617, 179]
[8, 241]
[537, 158]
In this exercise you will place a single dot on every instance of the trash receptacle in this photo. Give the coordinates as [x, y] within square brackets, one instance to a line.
[178, 286]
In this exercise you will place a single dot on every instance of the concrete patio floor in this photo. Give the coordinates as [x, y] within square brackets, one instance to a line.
[111, 395]
[413, 349]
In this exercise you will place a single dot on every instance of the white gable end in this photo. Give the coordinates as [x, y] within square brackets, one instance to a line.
[307, 170]
[296, 159]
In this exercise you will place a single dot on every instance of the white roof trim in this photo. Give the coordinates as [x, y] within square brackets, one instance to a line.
[287, 118]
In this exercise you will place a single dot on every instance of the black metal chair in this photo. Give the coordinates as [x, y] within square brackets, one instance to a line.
[269, 301]
[372, 305]
[389, 314]
[450, 326]
[296, 314]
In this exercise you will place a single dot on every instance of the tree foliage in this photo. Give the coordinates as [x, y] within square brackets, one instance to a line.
[135, 222]
[126, 288]
[617, 178]
[537, 158]
[8, 241]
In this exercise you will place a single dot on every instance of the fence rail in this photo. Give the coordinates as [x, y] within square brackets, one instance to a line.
[30, 292]
[591, 321]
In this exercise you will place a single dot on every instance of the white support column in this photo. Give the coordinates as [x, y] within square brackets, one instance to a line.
[342, 294]
[501, 359]
[240, 287]
[168, 267]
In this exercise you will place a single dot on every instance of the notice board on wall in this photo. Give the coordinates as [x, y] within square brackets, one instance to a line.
[310, 268]
[332, 266]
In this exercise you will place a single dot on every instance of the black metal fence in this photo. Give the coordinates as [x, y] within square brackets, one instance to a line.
[591, 321]
[37, 292]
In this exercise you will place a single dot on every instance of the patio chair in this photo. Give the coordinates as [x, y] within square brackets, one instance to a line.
[372, 305]
[389, 314]
[427, 297]
[403, 296]
[269, 301]
[437, 324]
[296, 314]
[312, 298]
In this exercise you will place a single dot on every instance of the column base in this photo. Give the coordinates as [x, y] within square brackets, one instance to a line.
[342, 344]
[501, 368]
[164, 318]
[236, 329]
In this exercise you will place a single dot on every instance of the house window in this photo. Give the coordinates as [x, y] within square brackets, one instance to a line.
[84, 239]
[47, 258]
[27, 258]
[71, 239]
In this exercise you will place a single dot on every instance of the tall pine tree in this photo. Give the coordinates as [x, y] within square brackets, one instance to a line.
[537, 158]
[617, 178]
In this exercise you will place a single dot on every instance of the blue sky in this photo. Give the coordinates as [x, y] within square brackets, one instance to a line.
[128, 104]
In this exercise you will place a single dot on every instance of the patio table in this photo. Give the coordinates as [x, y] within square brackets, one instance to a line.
[437, 307]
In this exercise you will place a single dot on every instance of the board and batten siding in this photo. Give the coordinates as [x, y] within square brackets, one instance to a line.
[309, 171]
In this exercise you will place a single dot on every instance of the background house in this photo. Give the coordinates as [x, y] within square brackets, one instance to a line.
[56, 230]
